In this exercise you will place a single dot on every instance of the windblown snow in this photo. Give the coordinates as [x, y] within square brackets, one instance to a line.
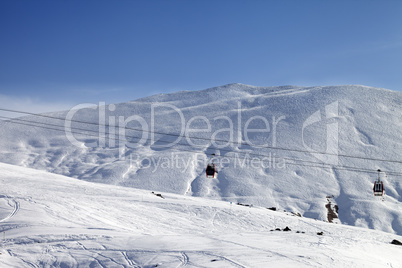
[312, 152]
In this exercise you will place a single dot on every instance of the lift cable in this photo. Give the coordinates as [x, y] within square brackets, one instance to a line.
[206, 139]
[258, 156]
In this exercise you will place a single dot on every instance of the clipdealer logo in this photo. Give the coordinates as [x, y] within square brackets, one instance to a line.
[239, 130]
[112, 132]
[330, 155]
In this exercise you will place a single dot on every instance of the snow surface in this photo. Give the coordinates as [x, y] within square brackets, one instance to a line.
[51, 220]
[367, 120]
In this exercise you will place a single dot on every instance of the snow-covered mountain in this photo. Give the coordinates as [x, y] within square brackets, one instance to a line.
[338, 135]
[49, 220]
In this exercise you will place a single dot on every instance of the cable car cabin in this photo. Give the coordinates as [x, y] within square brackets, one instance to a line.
[210, 171]
[378, 188]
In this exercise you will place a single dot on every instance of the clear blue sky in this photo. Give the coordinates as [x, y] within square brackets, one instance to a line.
[70, 52]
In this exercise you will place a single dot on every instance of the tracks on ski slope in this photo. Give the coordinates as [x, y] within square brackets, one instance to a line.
[184, 259]
[103, 257]
[16, 204]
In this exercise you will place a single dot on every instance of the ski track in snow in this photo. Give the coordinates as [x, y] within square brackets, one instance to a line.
[16, 208]
[184, 259]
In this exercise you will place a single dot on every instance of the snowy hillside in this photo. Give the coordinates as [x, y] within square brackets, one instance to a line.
[50, 220]
[164, 142]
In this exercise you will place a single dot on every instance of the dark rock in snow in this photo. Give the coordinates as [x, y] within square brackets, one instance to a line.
[246, 205]
[396, 242]
[158, 195]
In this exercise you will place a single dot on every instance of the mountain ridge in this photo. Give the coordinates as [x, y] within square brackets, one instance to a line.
[297, 118]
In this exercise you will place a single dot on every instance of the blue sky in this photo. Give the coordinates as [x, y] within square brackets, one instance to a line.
[60, 53]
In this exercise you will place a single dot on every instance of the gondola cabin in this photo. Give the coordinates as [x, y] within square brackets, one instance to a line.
[210, 171]
[378, 188]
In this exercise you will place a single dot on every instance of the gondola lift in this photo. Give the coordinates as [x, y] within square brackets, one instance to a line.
[211, 171]
[378, 187]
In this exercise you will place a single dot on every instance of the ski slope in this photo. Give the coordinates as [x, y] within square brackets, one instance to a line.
[54, 221]
[134, 145]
